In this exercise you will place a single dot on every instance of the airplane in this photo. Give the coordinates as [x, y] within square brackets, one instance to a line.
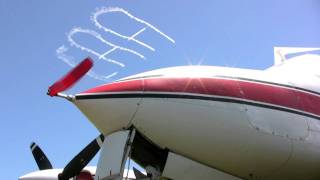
[203, 122]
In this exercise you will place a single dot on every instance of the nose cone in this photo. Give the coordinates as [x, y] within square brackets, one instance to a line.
[50, 174]
[111, 107]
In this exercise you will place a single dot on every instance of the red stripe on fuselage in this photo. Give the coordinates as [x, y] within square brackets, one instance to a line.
[247, 90]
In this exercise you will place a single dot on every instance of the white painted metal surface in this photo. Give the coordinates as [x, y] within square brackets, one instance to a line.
[109, 116]
[181, 168]
[50, 174]
[217, 134]
[111, 160]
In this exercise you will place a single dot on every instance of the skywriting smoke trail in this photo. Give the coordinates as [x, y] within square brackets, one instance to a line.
[112, 47]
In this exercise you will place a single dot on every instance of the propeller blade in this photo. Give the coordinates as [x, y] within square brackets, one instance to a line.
[71, 77]
[75, 166]
[41, 159]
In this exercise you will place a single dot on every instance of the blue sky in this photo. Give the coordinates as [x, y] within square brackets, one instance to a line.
[209, 32]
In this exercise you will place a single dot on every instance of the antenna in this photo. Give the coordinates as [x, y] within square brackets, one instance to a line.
[281, 52]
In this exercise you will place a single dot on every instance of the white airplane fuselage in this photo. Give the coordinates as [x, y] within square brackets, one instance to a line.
[248, 123]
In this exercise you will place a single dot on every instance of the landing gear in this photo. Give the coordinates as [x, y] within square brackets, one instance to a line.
[130, 144]
[157, 163]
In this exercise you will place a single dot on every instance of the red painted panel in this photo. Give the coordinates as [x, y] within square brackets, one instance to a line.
[233, 88]
[133, 85]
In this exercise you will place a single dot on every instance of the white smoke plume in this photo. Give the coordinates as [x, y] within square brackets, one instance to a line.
[105, 10]
[61, 51]
[99, 37]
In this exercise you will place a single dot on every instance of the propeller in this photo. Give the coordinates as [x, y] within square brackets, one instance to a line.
[75, 166]
[41, 159]
[71, 77]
